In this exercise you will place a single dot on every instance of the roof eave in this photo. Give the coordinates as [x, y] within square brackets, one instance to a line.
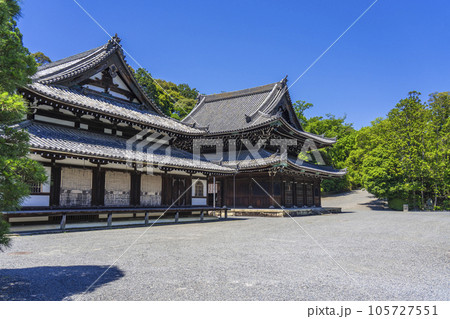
[72, 105]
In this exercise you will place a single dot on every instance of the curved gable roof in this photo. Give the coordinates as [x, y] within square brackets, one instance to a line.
[72, 70]
[241, 109]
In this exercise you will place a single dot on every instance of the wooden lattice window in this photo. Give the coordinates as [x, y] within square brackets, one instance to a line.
[198, 189]
[36, 188]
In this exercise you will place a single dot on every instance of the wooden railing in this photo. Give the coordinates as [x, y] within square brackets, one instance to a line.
[173, 212]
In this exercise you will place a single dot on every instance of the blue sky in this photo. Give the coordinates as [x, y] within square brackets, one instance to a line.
[215, 46]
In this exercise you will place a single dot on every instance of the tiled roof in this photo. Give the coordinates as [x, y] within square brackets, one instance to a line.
[232, 110]
[79, 142]
[246, 109]
[111, 107]
[75, 64]
[73, 67]
[245, 160]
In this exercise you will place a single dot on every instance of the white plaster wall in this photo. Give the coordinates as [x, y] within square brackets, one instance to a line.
[78, 162]
[117, 80]
[117, 188]
[53, 120]
[151, 186]
[36, 200]
[120, 96]
[94, 88]
[40, 200]
[198, 201]
[76, 187]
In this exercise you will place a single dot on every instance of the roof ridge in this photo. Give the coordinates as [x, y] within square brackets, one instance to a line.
[113, 41]
[239, 93]
[69, 58]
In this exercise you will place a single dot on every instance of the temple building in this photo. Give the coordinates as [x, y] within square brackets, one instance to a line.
[105, 143]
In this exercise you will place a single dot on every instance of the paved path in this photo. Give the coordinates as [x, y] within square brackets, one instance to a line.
[357, 200]
[386, 256]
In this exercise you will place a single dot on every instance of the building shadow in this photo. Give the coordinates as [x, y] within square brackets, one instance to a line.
[53, 283]
[376, 204]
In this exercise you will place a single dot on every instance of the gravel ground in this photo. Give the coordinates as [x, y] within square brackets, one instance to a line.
[371, 254]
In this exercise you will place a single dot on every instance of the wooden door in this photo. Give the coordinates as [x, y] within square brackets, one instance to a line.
[300, 195]
[288, 194]
[309, 195]
[179, 197]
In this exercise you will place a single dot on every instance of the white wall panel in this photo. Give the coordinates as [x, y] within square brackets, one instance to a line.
[151, 186]
[76, 187]
[117, 188]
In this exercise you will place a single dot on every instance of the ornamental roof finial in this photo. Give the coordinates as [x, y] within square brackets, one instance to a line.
[115, 40]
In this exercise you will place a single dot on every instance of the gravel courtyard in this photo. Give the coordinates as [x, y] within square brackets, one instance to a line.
[384, 255]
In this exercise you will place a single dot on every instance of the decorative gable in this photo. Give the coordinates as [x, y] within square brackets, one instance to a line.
[102, 69]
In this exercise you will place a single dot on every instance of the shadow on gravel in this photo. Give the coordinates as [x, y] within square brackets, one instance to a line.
[376, 204]
[52, 283]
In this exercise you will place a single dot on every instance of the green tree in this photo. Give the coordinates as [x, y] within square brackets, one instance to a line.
[186, 91]
[41, 58]
[16, 65]
[408, 128]
[299, 108]
[174, 100]
[438, 150]
[17, 171]
[405, 157]
[336, 156]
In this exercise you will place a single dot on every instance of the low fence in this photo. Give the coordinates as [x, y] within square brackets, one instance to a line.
[108, 213]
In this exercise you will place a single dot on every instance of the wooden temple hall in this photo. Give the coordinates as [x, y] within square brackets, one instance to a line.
[94, 129]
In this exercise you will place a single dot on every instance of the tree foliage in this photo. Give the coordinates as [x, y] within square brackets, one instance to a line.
[403, 158]
[299, 108]
[17, 171]
[40, 58]
[330, 126]
[174, 100]
[16, 63]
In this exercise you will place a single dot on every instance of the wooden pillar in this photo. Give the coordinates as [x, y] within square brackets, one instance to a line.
[165, 189]
[63, 222]
[55, 185]
[320, 193]
[234, 190]
[223, 192]
[109, 222]
[189, 192]
[135, 191]
[146, 219]
[317, 197]
[271, 186]
[305, 201]
[98, 186]
[294, 193]
[250, 191]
